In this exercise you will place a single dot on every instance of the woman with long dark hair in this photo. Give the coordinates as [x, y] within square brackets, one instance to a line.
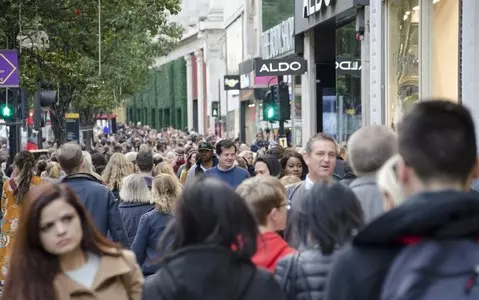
[267, 165]
[209, 245]
[190, 161]
[13, 195]
[330, 217]
[59, 254]
[293, 164]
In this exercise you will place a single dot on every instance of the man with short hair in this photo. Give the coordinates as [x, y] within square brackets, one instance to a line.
[226, 169]
[368, 149]
[437, 143]
[99, 201]
[266, 199]
[144, 164]
[206, 160]
[320, 156]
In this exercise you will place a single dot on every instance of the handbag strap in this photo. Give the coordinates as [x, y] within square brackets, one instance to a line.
[290, 270]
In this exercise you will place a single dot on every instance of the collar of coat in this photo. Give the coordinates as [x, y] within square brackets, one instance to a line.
[111, 266]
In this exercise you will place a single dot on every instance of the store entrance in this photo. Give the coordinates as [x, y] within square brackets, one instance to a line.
[338, 74]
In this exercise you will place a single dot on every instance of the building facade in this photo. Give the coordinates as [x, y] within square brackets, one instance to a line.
[199, 65]
[369, 61]
[163, 102]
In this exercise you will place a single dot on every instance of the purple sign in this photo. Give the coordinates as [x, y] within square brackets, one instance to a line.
[9, 72]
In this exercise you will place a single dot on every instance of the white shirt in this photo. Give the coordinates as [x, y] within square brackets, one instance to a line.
[308, 183]
[85, 275]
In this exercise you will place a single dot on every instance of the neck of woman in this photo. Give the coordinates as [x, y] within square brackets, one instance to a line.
[73, 260]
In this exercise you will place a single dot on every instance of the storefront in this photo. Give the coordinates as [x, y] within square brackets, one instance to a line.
[328, 35]
[421, 53]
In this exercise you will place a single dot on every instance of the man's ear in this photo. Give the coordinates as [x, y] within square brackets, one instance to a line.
[306, 157]
[475, 171]
[403, 172]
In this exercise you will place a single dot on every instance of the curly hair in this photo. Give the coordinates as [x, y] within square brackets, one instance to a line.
[164, 168]
[116, 169]
[166, 190]
[24, 161]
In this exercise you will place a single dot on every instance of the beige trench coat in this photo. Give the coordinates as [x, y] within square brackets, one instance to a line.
[118, 278]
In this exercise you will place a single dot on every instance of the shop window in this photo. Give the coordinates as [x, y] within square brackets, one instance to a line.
[422, 53]
[402, 57]
[342, 112]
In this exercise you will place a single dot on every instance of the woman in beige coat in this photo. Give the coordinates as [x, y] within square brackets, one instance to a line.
[59, 255]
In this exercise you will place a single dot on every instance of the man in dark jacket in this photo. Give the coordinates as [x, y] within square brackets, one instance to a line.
[145, 164]
[437, 143]
[207, 160]
[99, 201]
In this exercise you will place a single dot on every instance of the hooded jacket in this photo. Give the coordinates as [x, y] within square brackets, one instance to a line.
[360, 268]
[210, 273]
[271, 248]
[199, 171]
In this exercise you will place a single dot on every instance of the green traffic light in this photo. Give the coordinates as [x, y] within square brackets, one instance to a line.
[270, 113]
[6, 112]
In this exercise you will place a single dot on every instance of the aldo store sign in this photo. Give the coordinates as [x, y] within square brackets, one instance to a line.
[291, 65]
[311, 7]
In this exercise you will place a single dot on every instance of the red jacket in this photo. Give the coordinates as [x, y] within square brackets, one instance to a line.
[271, 248]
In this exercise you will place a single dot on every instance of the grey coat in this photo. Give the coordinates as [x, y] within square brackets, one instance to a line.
[369, 196]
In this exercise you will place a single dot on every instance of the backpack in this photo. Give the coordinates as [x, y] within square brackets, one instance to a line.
[434, 270]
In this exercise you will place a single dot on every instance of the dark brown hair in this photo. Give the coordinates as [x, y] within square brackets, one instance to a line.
[32, 269]
[24, 161]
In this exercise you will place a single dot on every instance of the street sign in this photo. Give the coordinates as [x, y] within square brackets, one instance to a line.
[72, 127]
[9, 72]
[290, 65]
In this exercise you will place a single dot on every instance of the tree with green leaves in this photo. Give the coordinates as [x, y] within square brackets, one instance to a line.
[133, 34]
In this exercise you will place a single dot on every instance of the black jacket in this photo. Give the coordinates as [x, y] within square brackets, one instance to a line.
[360, 268]
[304, 275]
[199, 171]
[101, 203]
[210, 273]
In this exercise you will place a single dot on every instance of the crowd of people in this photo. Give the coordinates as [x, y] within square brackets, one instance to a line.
[169, 214]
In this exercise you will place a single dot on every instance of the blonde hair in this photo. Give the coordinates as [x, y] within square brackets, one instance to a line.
[116, 169]
[164, 168]
[387, 180]
[87, 165]
[165, 191]
[135, 190]
[262, 194]
[53, 170]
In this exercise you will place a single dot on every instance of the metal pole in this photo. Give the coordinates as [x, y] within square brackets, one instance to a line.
[220, 131]
[226, 106]
[99, 37]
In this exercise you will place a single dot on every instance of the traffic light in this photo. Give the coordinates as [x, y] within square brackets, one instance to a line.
[270, 105]
[284, 104]
[215, 109]
[270, 111]
[274, 93]
[8, 99]
[7, 112]
[24, 105]
[42, 98]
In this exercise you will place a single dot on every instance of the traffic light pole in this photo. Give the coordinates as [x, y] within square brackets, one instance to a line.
[220, 128]
[281, 120]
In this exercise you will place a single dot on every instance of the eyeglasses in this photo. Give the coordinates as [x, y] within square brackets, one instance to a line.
[285, 205]
[395, 171]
